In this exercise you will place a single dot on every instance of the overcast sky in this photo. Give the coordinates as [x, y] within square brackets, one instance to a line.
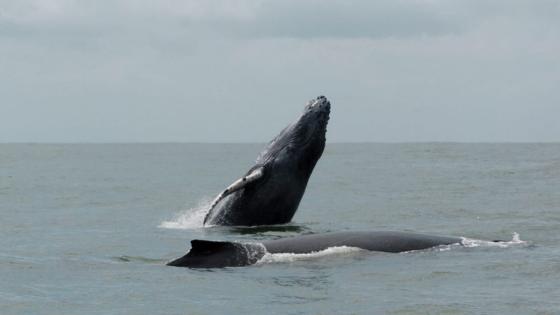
[239, 71]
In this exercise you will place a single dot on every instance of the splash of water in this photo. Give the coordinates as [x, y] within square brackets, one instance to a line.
[192, 218]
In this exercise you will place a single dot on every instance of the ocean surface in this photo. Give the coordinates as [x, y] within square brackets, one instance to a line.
[87, 229]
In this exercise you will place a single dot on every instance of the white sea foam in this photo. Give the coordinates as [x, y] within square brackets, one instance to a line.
[515, 240]
[291, 257]
[192, 218]
[471, 242]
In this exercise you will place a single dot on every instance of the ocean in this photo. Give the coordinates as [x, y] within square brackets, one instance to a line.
[88, 228]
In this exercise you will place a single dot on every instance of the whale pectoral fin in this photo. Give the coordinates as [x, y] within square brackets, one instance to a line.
[251, 177]
[245, 180]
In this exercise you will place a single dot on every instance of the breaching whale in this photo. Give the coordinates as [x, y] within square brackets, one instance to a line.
[216, 254]
[270, 192]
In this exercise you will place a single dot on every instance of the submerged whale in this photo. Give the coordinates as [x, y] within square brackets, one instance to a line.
[270, 192]
[215, 254]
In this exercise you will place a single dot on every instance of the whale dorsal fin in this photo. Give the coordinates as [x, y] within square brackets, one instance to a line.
[211, 254]
[250, 177]
[201, 247]
[217, 254]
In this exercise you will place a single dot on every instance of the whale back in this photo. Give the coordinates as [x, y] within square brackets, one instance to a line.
[382, 241]
[214, 254]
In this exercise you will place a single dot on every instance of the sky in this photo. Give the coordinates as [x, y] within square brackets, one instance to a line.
[239, 71]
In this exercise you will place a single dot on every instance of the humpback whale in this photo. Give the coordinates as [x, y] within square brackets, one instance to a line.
[216, 254]
[270, 192]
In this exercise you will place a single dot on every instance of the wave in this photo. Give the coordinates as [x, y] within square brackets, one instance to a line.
[126, 258]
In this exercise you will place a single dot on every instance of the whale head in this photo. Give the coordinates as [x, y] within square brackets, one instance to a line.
[312, 125]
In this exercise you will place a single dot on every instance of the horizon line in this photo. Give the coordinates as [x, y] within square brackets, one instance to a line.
[258, 142]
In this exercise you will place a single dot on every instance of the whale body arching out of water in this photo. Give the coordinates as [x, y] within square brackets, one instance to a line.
[270, 192]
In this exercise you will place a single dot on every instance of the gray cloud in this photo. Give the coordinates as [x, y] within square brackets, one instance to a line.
[179, 70]
[344, 19]
[79, 22]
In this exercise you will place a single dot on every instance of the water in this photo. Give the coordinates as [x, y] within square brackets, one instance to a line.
[87, 229]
